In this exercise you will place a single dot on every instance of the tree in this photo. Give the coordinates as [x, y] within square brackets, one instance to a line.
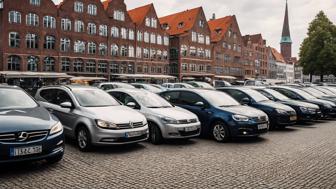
[318, 50]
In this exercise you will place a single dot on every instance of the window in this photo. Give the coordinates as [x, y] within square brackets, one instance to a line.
[123, 51]
[138, 52]
[193, 67]
[102, 67]
[14, 63]
[1, 4]
[193, 36]
[14, 39]
[184, 67]
[79, 47]
[92, 48]
[146, 37]
[201, 23]
[49, 22]
[78, 65]
[189, 98]
[103, 30]
[32, 41]
[114, 32]
[153, 22]
[14, 17]
[193, 51]
[79, 26]
[159, 54]
[153, 38]
[32, 19]
[184, 50]
[159, 40]
[201, 38]
[49, 64]
[92, 29]
[139, 36]
[131, 34]
[146, 53]
[200, 52]
[92, 9]
[114, 68]
[119, 15]
[207, 40]
[65, 45]
[207, 53]
[78, 7]
[102, 49]
[35, 2]
[90, 66]
[131, 51]
[165, 55]
[148, 22]
[114, 50]
[166, 41]
[32, 63]
[65, 63]
[123, 33]
[230, 32]
[49, 42]
[66, 24]
[153, 53]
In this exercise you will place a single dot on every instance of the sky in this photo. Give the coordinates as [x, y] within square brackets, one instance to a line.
[254, 16]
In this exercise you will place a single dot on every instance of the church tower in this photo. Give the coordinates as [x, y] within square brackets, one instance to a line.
[286, 41]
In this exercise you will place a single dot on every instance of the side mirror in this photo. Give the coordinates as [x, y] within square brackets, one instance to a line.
[131, 105]
[200, 104]
[66, 105]
[245, 101]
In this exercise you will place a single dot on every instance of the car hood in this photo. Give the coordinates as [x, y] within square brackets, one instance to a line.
[32, 119]
[244, 110]
[299, 103]
[275, 105]
[173, 112]
[116, 114]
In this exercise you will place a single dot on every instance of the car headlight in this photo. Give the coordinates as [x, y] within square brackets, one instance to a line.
[241, 118]
[328, 106]
[58, 127]
[106, 124]
[304, 109]
[169, 120]
[280, 111]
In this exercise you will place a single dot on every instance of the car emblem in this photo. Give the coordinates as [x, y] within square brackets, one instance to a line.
[131, 124]
[22, 136]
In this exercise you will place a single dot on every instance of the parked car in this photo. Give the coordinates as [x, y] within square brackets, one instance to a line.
[304, 110]
[159, 87]
[27, 131]
[221, 116]
[92, 116]
[203, 85]
[319, 94]
[327, 108]
[221, 83]
[280, 115]
[147, 87]
[165, 121]
[326, 91]
[113, 85]
[177, 85]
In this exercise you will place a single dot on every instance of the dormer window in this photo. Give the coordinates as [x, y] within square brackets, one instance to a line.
[165, 26]
[35, 2]
[201, 23]
[218, 30]
[180, 25]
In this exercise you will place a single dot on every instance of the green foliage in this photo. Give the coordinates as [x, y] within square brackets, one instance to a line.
[318, 50]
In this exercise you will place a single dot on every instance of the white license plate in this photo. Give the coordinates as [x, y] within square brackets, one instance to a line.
[133, 134]
[293, 118]
[25, 151]
[189, 129]
[262, 126]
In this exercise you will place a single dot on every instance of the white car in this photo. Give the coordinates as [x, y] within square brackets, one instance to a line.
[165, 121]
[113, 85]
[147, 87]
[177, 85]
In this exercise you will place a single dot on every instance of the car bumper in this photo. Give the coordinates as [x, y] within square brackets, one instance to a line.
[285, 120]
[309, 116]
[119, 137]
[51, 146]
[248, 130]
[176, 131]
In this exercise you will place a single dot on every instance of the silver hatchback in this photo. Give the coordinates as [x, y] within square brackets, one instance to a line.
[92, 116]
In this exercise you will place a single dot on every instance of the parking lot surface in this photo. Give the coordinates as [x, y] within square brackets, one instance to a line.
[302, 156]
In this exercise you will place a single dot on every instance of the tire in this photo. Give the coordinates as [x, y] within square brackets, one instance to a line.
[220, 132]
[83, 139]
[55, 159]
[155, 135]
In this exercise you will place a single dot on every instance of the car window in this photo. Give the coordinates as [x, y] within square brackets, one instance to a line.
[62, 96]
[107, 87]
[49, 95]
[15, 99]
[287, 93]
[266, 94]
[150, 100]
[118, 95]
[189, 98]
[237, 95]
[172, 97]
[94, 98]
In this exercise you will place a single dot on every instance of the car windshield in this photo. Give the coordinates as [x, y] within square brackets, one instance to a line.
[314, 92]
[152, 89]
[205, 85]
[276, 94]
[219, 99]
[255, 95]
[303, 94]
[151, 100]
[94, 98]
[326, 91]
[15, 99]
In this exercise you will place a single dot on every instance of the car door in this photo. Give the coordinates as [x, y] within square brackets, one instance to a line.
[237, 95]
[125, 98]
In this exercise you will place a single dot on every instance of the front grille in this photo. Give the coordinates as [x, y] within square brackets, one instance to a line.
[187, 121]
[260, 119]
[189, 133]
[130, 125]
[28, 136]
[291, 113]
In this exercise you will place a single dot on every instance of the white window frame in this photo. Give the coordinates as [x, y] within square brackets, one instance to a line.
[14, 17]
[78, 7]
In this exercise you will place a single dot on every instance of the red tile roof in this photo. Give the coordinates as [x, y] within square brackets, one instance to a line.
[219, 27]
[187, 18]
[278, 57]
[106, 4]
[254, 38]
[138, 14]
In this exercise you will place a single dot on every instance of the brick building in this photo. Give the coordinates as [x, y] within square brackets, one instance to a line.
[227, 44]
[190, 47]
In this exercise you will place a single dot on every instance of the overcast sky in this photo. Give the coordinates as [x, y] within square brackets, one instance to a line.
[254, 16]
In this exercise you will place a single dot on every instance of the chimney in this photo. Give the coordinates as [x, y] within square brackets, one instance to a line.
[213, 16]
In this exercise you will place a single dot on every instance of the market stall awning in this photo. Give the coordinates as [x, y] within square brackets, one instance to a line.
[143, 76]
[87, 78]
[225, 77]
[16, 74]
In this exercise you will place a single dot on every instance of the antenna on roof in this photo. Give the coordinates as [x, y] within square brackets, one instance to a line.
[213, 16]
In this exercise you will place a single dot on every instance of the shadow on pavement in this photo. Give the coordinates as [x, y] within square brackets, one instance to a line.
[248, 140]
[23, 168]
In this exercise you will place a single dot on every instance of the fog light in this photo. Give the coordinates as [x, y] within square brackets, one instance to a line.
[245, 133]
[59, 143]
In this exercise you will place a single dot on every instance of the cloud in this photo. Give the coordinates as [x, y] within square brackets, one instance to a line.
[259, 16]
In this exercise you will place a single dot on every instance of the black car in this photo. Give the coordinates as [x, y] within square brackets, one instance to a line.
[319, 94]
[327, 108]
[304, 110]
[279, 114]
[220, 115]
[27, 131]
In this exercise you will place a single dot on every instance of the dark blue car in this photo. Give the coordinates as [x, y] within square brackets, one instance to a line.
[27, 131]
[221, 116]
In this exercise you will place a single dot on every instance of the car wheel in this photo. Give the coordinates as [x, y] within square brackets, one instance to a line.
[155, 135]
[83, 139]
[55, 159]
[220, 132]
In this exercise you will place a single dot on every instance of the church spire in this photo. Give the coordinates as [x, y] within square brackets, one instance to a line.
[286, 38]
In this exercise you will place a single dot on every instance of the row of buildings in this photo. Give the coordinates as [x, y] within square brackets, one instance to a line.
[105, 39]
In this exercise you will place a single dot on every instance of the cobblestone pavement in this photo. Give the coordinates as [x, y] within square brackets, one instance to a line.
[298, 157]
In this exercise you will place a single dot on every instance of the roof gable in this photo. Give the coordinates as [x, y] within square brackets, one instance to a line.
[277, 56]
[139, 14]
[219, 27]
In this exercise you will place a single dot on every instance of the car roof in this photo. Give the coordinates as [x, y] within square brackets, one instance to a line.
[5, 86]
[70, 87]
[189, 90]
[135, 90]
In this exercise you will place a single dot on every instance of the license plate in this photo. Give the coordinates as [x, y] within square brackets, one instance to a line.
[293, 118]
[188, 129]
[133, 134]
[262, 126]
[25, 151]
